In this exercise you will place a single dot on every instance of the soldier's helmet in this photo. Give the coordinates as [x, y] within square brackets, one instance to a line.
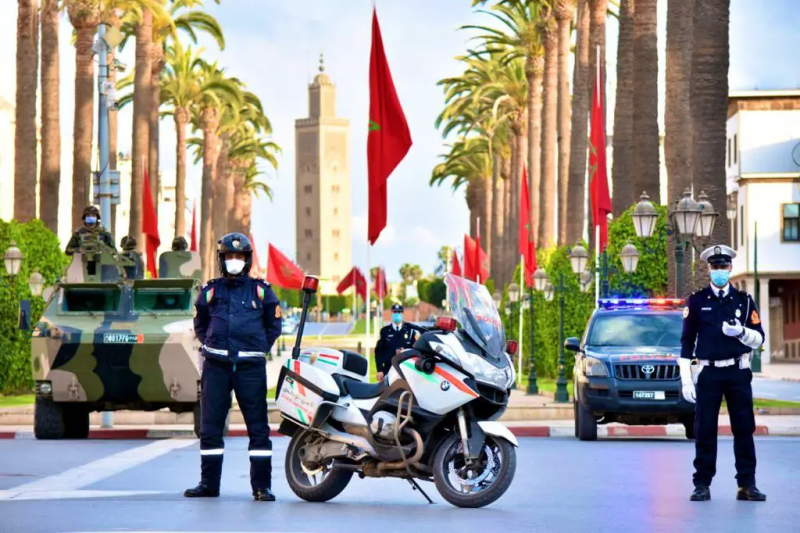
[235, 243]
[91, 210]
[179, 244]
[128, 243]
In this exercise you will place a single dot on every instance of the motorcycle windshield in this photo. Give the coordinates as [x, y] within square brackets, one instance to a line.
[473, 307]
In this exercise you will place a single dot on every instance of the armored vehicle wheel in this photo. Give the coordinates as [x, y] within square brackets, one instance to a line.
[48, 420]
[76, 422]
[198, 418]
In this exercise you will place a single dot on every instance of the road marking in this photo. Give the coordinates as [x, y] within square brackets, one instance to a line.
[90, 473]
[16, 495]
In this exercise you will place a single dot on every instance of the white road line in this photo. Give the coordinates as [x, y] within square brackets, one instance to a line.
[90, 473]
[16, 495]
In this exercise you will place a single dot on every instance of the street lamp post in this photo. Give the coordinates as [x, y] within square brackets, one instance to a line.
[13, 258]
[513, 298]
[539, 284]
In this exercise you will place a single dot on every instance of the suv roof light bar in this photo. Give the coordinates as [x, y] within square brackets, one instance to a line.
[617, 303]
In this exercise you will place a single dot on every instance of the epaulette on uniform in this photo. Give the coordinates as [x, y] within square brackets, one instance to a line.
[210, 282]
[262, 280]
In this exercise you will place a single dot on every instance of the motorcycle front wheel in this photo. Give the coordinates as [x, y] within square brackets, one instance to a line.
[319, 484]
[479, 484]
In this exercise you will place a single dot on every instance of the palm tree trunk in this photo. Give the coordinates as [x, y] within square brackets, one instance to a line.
[25, 132]
[50, 170]
[237, 194]
[597, 41]
[579, 132]
[678, 118]
[508, 234]
[549, 125]
[646, 164]
[84, 118]
[535, 138]
[210, 123]
[141, 121]
[624, 191]
[221, 204]
[485, 192]
[710, 62]
[471, 197]
[155, 103]
[498, 212]
[181, 120]
[247, 210]
[570, 195]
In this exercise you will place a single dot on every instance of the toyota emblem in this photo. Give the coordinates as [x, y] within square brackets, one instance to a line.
[648, 369]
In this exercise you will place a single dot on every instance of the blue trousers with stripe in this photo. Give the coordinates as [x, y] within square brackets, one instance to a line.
[249, 382]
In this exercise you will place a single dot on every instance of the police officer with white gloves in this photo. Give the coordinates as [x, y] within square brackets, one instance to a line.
[721, 327]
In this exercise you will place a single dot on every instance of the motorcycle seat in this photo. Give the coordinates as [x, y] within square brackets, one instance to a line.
[359, 390]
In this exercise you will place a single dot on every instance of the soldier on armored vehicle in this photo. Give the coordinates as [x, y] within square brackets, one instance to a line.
[90, 231]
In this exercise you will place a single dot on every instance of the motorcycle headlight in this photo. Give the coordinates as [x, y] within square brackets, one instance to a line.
[594, 367]
[487, 373]
[445, 352]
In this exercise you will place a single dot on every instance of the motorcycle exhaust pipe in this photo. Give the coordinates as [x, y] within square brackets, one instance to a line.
[409, 461]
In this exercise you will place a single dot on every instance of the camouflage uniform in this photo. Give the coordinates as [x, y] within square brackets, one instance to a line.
[136, 271]
[80, 235]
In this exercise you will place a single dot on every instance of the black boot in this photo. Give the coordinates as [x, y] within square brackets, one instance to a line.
[263, 495]
[701, 494]
[201, 491]
[750, 494]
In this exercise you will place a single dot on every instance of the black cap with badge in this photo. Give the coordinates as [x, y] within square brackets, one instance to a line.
[397, 308]
[718, 255]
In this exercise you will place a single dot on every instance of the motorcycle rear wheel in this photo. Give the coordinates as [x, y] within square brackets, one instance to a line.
[496, 467]
[318, 485]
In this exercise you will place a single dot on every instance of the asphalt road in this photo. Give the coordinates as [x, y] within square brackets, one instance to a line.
[561, 485]
[775, 389]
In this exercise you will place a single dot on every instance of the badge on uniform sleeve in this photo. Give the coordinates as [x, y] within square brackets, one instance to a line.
[261, 293]
[754, 318]
[277, 311]
[685, 311]
[209, 294]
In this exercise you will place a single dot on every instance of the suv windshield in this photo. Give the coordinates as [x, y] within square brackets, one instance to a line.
[641, 329]
[473, 307]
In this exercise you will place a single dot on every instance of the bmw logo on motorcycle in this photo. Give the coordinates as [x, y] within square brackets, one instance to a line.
[445, 386]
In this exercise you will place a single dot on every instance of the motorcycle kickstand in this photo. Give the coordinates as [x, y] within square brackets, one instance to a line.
[415, 486]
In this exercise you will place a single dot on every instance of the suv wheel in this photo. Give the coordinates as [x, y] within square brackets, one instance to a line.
[688, 425]
[585, 423]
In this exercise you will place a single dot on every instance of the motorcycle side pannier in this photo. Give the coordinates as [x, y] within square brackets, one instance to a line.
[305, 393]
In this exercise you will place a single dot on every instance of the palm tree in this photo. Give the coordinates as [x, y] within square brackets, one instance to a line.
[709, 104]
[678, 115]
[547, 186]
[579, 132]
[84, 15]
[570, 195]
[50, 164]
[622, 169]
[645, 101]
[25, 132]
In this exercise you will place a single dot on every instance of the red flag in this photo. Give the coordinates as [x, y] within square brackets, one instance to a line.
[470, 269]
[481, 261]
[456, 269]
[381, 289]
[255, 269]
[281, 272]
[527, 248]
[598, 172]
[150, 228]
[354, 277]
[193, 245]
[388, 139]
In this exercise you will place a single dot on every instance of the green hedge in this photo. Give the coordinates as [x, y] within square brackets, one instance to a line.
[43, 252]
[650, 279]
[432, 291]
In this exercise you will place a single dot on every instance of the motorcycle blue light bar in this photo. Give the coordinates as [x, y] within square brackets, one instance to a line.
[621, 303]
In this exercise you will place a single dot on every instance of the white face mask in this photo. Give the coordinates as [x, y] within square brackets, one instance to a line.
[234, 266]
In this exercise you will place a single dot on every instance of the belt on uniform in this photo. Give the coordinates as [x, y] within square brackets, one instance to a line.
[224, 353]
[720, 363]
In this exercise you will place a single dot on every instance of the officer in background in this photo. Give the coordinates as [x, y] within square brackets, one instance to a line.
[91, 225]
[136, 271]
[721, 327]
[394, 338]
[237, 320]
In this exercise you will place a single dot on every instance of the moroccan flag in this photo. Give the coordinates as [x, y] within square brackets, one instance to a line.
[281, 272]
[481, 260]
[255, 269]
[470, 269]
[456, 268]
[598, 172]
[193, 245]
[388, 139]
[150, 228]
[381, 289]
[354, 277]
[527, 248]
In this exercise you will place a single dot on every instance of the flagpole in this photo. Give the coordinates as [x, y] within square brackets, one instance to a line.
[477, 257]
[597, 265]
[522, 292]
[369, 310]
[447, 289]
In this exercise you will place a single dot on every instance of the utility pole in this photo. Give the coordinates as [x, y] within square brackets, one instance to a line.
[102, 127]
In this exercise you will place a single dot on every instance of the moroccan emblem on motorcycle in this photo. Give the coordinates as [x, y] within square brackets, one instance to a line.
[445, 386]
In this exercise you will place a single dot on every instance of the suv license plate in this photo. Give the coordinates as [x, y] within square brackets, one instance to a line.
[649, 395]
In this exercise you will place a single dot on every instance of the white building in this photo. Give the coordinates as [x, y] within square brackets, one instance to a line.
[763, 184]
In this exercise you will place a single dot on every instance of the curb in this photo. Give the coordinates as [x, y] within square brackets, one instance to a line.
[519, 431]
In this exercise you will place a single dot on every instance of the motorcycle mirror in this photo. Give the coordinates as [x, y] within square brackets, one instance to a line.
[446, 323]
[512, 347]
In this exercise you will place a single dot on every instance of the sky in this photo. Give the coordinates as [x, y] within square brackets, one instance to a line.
[273, 46]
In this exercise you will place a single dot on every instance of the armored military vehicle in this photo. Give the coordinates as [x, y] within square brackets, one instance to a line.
[107, 343]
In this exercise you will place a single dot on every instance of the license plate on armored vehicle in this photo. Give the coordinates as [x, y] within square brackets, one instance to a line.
[649, 395]
[122, 338]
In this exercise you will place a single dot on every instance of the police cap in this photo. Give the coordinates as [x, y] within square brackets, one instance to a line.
[397, 308]
[718, 255]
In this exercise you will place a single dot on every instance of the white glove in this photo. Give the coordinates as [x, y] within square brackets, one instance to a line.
[687, 389]
[732, 331]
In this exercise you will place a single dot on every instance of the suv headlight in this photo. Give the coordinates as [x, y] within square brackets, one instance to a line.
[445, 352]
[594, 367]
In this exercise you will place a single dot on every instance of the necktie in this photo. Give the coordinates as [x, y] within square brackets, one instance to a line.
[721, 294]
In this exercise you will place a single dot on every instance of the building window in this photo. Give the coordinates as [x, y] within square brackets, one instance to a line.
[729, 152]
[735, 234]
[735, 148]
[308, 234]
[307, 189]
[308, 211]
[336, 211]
[791, 222]
[335, 189]
[336, 233]
[741, 226]
[336, 279]
[308, 256]
[336, 256]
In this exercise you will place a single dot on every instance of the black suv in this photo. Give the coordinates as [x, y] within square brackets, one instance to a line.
[626, 367]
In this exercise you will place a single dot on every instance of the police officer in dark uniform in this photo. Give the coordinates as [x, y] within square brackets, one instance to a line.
[237, 319]
[721, 327]
[91, 224]
[394, 338]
